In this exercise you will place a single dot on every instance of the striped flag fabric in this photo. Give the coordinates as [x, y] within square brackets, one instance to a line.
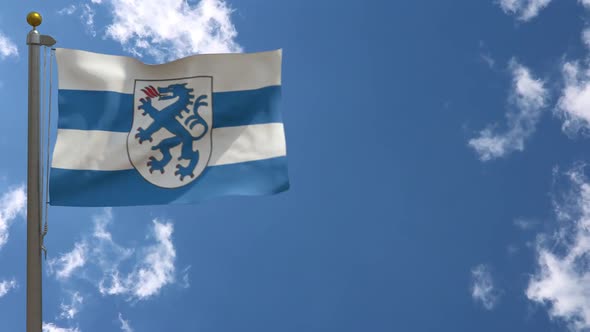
[200, 127]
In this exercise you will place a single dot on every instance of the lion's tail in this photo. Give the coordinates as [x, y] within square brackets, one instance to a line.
[196, 119]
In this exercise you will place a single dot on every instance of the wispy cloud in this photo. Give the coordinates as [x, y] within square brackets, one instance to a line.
[482, 287]
[12, 204]
[7, 47]
[528, 98]
[99, 249]
[152, 273]
[125, 327]
[86, 14]
[106, 253]
[525, 224]
[50, 327]
[563, 277]
[586, 37]
[185, 277]
[87, 17]
[6, 286]
[512, 249]
[66, 264]
[523, 9]
[488, 60]
[69, 10]
[485, 55]
[170, 29]
[153, 269]
[574, 103]
[69, 311]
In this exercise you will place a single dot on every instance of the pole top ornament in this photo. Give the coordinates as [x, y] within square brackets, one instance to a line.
[34, 19]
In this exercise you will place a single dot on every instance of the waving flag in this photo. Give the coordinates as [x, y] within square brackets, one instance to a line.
[180, 132]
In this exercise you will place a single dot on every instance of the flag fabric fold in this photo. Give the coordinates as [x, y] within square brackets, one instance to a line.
[135, 134]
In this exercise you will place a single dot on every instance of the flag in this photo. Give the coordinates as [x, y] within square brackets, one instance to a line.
[180, 132]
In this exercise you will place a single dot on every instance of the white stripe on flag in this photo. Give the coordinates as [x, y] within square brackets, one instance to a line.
[81, 70]
[107, 151]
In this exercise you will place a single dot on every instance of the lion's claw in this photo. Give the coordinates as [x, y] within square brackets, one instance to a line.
[143, 135]
[184, 172]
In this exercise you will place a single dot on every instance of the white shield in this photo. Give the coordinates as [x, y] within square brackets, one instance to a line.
[170, 141]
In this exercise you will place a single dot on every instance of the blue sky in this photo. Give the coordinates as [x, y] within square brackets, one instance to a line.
[438, 163]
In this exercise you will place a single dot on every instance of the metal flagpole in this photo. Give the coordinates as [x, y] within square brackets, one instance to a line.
[34, 303]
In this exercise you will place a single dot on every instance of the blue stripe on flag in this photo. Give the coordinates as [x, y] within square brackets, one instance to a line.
[119, 188]
[112, 111]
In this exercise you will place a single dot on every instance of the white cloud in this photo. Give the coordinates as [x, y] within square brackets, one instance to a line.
[125, 327]
[586, 37]
[69, 311]
[563, 278]
[12, 204]
[185, 277]
[488, 60]
[485, 56]
[153, 269]
[100, 225]
[7, 47]
[153, 272]
[50, 327]
[87, 17]
[482, 287]
[66, 264]
[525, 224]
[99, 249]
[170, 29]
[69, 10]
[157, 269]
[105, 252]
[574, 103]
[529, 97]
[6, 286]
[86, 14]
[512, 249]
[524, 9]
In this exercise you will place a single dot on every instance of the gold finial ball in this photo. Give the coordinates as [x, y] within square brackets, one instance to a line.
[34, 19]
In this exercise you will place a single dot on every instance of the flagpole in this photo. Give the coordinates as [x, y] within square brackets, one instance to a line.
[34, 291]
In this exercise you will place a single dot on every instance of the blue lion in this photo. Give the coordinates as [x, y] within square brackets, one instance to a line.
[166, 118]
